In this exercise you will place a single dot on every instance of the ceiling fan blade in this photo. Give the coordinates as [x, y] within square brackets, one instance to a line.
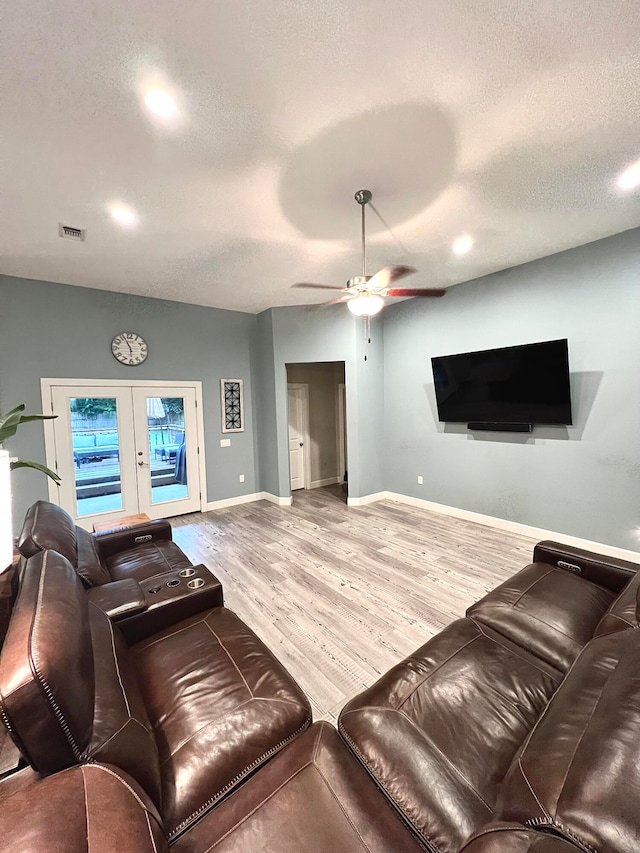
[318, 286]
[415, 291]
[387, 275]
[327, 304]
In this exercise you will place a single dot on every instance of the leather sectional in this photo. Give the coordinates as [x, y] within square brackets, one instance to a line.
[517, 728]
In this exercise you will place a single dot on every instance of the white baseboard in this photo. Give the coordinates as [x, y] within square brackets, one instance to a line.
[328, 481]
[515, 527]
[241, 499]
[367, 499]
[276, 499]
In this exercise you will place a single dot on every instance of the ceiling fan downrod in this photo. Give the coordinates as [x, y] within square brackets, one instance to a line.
[363, 197]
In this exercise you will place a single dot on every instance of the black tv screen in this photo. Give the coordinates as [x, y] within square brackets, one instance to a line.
[526, 384]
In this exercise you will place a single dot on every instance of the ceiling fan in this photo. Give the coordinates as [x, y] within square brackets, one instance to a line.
[363, 293]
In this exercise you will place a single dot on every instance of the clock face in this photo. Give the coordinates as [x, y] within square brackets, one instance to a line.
[129, 348]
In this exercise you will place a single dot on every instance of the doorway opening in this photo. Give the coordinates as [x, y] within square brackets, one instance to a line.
[317, 426]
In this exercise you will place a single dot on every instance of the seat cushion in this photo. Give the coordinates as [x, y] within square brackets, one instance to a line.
[513, 838]
[314, 797]
[147, 560]
[220, 705]
[546, 610]
[579, 772]
[624, 612]
[88, 809]
[439, 730]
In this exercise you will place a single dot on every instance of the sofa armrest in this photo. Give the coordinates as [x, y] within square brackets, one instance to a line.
[119, 599]
[113, 541]
[610, 572]
[170, 600]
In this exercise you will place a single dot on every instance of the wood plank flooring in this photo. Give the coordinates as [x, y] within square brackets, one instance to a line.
[341, 594]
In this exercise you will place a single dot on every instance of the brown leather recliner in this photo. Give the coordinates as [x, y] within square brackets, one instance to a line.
[136, 552]
[189, 712]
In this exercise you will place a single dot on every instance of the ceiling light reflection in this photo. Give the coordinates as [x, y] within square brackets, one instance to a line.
[462, 244]
[160, 102]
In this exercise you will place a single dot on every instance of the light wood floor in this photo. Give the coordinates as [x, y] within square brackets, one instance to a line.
[340, 594]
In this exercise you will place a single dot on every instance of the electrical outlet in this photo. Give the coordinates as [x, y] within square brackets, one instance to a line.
[420, 480]
[242, 478]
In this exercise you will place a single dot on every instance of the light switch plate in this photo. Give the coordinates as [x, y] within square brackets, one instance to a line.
[225, 442]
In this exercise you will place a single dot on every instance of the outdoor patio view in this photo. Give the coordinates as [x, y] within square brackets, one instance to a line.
[96, 452]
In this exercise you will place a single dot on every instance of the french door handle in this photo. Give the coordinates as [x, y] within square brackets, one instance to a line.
[301, 444]
[141, 462]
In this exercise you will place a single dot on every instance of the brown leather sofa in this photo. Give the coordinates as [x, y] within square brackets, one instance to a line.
[137, 552]
[527, 712]
[516, 729]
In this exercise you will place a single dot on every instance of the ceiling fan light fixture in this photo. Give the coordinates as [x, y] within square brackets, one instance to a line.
[366, 304]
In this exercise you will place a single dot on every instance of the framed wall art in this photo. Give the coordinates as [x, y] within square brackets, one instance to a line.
[232, 402]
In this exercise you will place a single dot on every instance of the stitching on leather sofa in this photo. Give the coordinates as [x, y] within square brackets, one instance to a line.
[115, 657]
[422, 838]
[177, 830]
[229, 655]
[45, 686]
[433, 671]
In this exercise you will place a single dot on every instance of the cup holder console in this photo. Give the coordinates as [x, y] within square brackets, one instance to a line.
[187, 573]
[173, 582]
[196, 583]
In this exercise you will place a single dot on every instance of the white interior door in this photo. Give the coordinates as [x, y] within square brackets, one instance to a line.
[298, 416]
[124, 449]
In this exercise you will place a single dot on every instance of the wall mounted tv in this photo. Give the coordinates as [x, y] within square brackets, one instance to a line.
[510, 388]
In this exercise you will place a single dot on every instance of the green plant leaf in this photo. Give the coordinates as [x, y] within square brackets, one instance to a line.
[10, 422]
[26, 418]
[23, 463]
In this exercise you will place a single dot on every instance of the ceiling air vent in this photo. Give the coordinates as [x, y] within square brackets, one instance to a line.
[71, 233]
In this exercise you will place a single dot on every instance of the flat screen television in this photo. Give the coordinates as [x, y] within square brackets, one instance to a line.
[526, 384]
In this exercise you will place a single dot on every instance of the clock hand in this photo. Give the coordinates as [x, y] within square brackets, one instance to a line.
[129, 345]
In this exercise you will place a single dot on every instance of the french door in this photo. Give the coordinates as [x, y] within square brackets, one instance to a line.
[124, 449]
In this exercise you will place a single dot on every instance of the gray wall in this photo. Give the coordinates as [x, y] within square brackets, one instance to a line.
[264, 384]
[582, 480]
[55, 330]
[323, 379]
[333, 335]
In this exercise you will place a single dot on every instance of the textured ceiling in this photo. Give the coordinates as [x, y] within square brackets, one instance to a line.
[505, 119]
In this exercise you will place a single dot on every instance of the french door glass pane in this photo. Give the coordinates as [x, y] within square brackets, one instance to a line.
[167, 449]
[96, 454]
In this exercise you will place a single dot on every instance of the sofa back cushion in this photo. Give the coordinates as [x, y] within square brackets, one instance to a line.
[578, 774]
[624, 612]
[47, 526]
[90, 569]
[68, 690]
[46, 667]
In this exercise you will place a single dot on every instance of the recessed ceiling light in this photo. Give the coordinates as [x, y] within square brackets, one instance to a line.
[630, 178]
[463, 244]
[124, 215]
[160, 102]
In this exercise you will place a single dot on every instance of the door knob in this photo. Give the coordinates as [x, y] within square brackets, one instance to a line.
[301, 444]
[141, 462]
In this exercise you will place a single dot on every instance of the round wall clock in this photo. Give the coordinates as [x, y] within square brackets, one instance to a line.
[129, 348]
